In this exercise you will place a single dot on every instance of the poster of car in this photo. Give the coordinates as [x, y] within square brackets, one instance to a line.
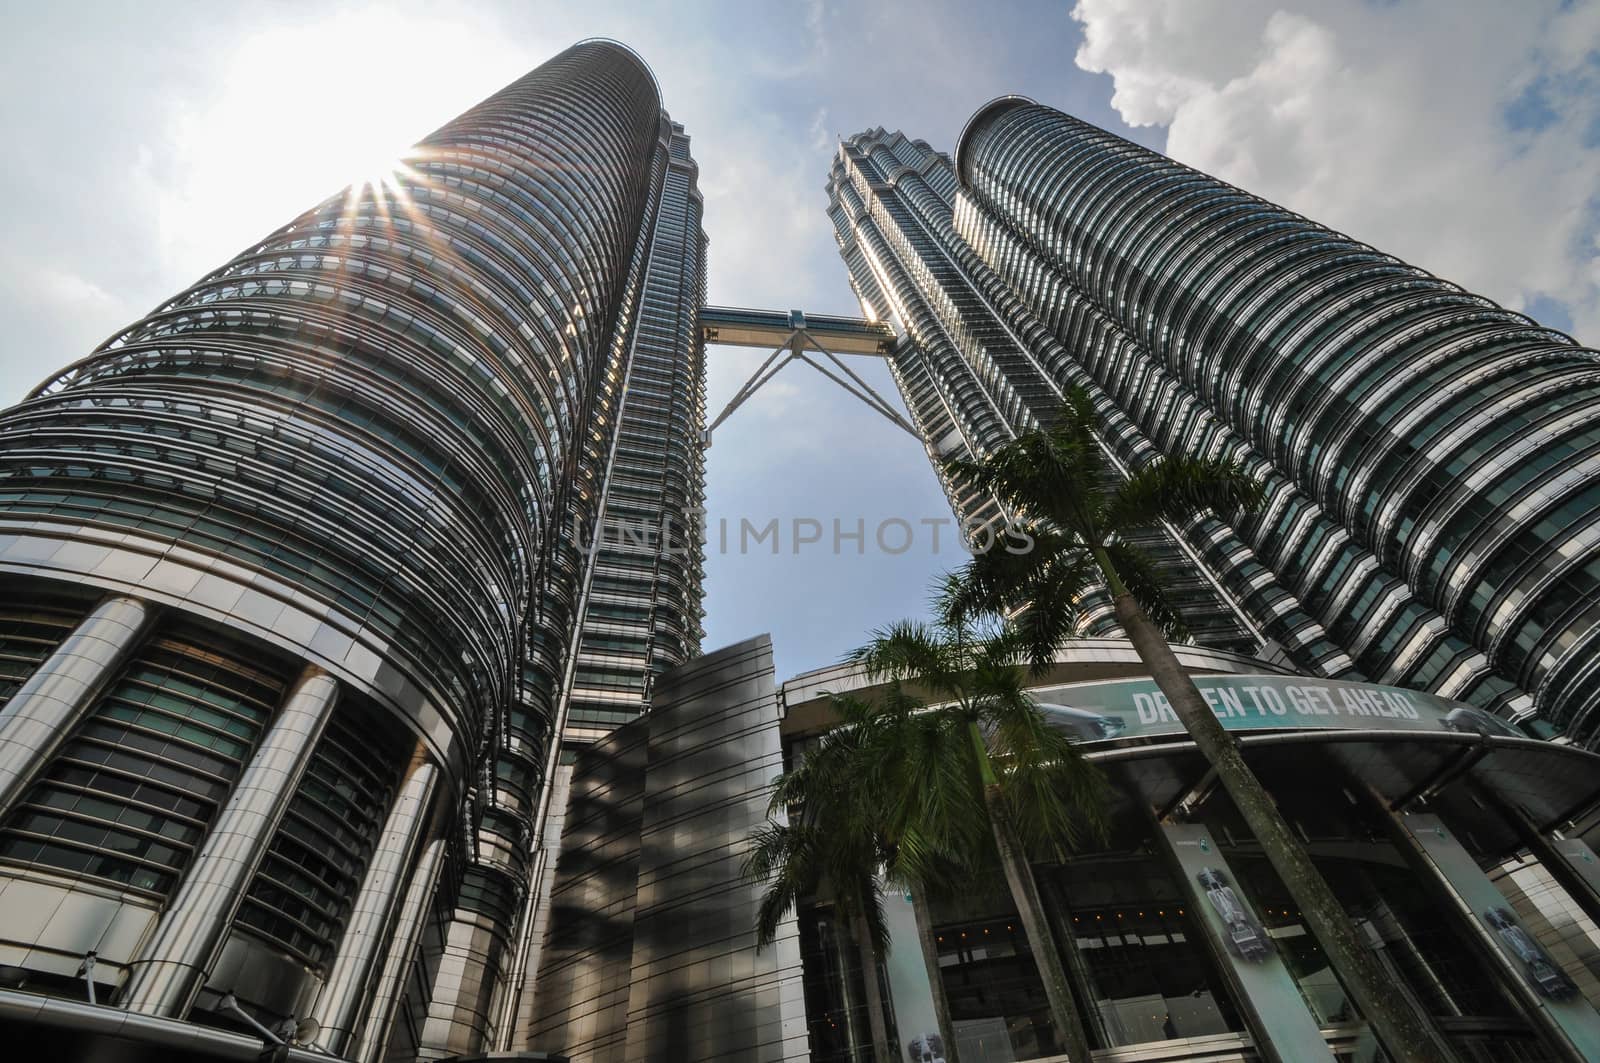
[1547, 979]
[1243, 936]
[1225, 915]
[1566, 1013]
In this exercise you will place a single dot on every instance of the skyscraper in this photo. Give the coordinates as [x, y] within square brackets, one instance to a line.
[1432, 460]
[299, 586]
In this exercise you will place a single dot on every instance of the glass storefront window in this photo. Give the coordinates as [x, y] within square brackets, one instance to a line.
[997, 1002]
[1142, 953]
[836, 1035]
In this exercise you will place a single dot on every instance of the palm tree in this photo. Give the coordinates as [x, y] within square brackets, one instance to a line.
[1059, 481]
[968, 769]
[834, 840]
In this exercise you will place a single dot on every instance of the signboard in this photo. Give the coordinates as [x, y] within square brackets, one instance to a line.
[1136, 708]
[914, 1015]
[1280, 1013]
[1569, 1016]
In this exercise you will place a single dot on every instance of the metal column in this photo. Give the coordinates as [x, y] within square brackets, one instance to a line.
[43, 712]
[374, 911]
[180, 954]
[409, 922]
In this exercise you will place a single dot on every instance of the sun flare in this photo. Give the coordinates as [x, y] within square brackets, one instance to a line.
[269, 143]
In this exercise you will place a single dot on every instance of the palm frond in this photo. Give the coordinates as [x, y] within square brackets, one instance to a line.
[1179, 489]
[989, 582]
[1143, 581]
[1054, 798]
[1048, 614]
[1076, 418]
[933, 800]
[907, 649]
[786, 858]
[1054, 476]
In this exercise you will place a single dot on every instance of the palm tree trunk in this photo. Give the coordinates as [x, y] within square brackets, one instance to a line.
[882, 1050]
[930, 956]
[842, 945]
[1405, 1032]
[1030, 909]
[1057, 912]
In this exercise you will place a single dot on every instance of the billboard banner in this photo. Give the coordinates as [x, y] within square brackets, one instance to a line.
[1545, 983]
[909, 991]
[1135, 708]
[1279, 1013]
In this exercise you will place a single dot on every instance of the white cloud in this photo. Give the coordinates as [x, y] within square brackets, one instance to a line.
[818, 130]
[1464, 138]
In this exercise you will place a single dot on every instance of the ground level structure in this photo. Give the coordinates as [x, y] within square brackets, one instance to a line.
[1458, 844]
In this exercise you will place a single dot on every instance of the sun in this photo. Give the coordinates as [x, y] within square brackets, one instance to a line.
[276, 136]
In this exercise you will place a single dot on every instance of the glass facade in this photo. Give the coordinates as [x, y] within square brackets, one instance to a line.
[1144, 959]
[976, 369]
[142, 778]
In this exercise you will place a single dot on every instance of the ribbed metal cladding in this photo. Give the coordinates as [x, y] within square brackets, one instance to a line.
[137, 783]
[975, 367]
[373, 440]
[643, 565]
[1434, 458]
[644, 603]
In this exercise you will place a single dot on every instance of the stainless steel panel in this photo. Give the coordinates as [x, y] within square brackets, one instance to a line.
[260, 976]
[519, 1012]
[48, 924]
[652, 952]
[461, 1011]
[385, 998]
[79, 1031]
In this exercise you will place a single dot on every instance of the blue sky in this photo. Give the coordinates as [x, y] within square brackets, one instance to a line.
[150, 142]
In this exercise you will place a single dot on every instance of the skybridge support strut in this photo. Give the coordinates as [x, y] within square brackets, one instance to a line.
[802, 341]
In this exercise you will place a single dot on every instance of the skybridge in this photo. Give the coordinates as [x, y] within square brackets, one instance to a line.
[818, 340]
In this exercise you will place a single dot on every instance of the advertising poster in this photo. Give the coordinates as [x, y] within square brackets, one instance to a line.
[918, 1024]
[1136, 708]
[1571, 1016]
[1266, 984]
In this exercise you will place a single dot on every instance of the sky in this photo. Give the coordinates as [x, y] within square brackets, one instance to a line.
[149, 142]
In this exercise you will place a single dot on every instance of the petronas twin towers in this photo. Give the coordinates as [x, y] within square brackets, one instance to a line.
[300, 629]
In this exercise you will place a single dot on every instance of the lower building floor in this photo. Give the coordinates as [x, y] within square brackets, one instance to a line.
[1461, 848]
